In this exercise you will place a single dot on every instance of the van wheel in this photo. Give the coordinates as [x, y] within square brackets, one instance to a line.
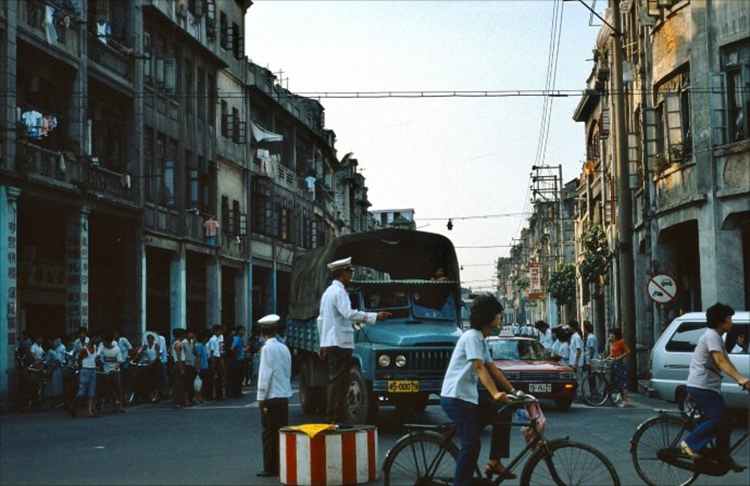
[686, 404]
[310, 397]
[361, 403]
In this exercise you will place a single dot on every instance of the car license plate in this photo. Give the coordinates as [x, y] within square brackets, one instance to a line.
[540, 387]
[403, 386]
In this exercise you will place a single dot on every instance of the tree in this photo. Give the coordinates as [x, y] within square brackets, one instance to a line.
[562, 284]
[595, 254]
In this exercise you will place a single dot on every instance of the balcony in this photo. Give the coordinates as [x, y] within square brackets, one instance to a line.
[162, 220]
[286, 177]
[676, 187]
[111, 59]
[62, 33]
[50, 167]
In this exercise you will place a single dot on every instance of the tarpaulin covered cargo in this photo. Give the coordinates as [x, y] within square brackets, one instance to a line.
[402, 254]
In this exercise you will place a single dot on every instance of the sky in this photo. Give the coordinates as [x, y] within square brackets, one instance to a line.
[444, 157]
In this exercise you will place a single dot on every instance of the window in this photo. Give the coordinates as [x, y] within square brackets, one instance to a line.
[237, 46]
[201, 94]
[191, 181]
[187, 88]
[156, 172]
[235, 125]
[169, 172]
[225, 219]
[170, 73]
[211, 100]
[149, 61]
[673, 117]
[224, 119]
[236, 216]
[224, 31]
[736, 65]
[148, 158]
[685, 338]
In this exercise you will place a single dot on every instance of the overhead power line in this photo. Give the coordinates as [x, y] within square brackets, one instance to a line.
[484, 216]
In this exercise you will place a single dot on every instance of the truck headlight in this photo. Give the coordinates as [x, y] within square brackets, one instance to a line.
[384, 360]
[400, 360]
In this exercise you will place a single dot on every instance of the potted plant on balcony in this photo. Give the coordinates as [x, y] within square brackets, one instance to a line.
[677, 152]
[661, 163]
[210, 28]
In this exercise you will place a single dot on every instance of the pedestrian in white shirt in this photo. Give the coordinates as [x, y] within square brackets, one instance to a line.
[274, 390]
[37, 350]
[592, 343]
[545, 334]
[577, 352]
[216, 361]
[336, 334]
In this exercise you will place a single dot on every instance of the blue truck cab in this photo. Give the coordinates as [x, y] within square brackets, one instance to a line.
[400, 361]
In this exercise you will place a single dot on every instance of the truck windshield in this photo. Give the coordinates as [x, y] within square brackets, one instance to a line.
[433, 304]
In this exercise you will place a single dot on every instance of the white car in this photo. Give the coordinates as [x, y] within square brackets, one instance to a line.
[670, 359]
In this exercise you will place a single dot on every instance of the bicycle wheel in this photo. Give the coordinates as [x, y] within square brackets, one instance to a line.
[569, 463]
[653, 437]
[421, 458]
[595, 389]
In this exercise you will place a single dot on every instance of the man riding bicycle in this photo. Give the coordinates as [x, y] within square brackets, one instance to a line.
[704, 385]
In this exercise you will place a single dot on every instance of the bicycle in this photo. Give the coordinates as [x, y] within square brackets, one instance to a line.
[426, 455]
[595, 387]
[658, 459]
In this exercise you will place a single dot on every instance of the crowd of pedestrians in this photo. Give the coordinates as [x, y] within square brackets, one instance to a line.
[107, 368]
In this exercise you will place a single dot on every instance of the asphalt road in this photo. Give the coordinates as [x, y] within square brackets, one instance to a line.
[219, 443]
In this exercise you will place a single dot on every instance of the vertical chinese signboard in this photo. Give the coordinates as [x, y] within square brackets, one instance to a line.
[535, 280]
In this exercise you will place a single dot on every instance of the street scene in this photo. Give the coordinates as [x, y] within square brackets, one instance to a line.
[407, 242]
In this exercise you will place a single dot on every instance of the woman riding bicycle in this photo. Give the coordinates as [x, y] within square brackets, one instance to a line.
[704, 385]
[467, 407]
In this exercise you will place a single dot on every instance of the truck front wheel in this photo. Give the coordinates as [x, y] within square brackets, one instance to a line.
[361, 402]
[311, 398]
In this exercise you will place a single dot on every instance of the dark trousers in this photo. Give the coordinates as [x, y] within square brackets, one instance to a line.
[178, 386]
[275, 418]
[207, 388]
[190, 373]
[338, 361]
[217, 378]
[717, 423]
[469, 420]
[235, 374]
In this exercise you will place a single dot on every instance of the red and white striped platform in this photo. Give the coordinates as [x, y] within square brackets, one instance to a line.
[337, 457]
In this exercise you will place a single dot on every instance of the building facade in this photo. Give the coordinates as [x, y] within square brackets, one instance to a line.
[141, 186]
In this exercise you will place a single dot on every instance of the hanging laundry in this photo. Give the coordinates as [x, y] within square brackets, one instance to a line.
[33, 121]
[310, 180]
[103, 30]
[49, 24]
[61, 165]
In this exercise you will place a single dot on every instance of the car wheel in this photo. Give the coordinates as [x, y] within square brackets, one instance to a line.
[310, 397]
[563, 403]
[687, 405]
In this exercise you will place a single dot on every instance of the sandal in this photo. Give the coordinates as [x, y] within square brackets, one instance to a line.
[498, 469]
[688, 451]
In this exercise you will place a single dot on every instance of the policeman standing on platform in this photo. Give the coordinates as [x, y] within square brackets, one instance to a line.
[274, 390]
[336, 335]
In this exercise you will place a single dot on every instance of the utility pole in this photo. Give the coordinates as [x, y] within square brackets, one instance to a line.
[626, 264]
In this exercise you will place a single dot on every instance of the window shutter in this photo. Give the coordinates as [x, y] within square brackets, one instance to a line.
[673, 119]
[633, 159]
[718, 109]
[238, 44]
[230, 125]
[652, 135]
[170, 75]
[243, 224]
[241, 131]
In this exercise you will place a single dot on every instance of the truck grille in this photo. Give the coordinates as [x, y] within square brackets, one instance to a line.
[428, 359]
[540, 376]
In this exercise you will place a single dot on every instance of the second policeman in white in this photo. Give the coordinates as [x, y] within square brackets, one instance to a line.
[274, 390]
[336, 334]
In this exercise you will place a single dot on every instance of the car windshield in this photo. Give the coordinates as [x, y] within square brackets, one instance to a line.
[433, 304]
[518, 349]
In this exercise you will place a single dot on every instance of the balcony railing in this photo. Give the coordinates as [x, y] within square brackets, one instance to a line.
[676, 186]
[111, 59]
[54, 167]
[61, 33]
[286, 177]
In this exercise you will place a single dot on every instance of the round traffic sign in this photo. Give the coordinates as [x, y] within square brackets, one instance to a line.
[661, 289]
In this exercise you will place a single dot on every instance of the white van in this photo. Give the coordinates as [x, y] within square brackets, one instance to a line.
[670, 359]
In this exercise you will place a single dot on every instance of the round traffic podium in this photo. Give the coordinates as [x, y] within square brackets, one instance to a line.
[318, 455]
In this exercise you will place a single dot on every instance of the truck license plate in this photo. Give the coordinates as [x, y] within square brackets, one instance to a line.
[403, 386]
[540, 387]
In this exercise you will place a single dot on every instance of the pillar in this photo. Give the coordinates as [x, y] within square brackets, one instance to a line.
[720, 266]
[8, 284]
[134, 292]
[270, 291]
[77, 270]
[178, 289]
[213, 292]
[242, 296]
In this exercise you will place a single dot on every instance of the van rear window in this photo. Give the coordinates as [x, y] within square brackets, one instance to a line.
[685, 338]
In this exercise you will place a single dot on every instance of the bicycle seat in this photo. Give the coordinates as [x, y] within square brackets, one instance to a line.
[440, 428]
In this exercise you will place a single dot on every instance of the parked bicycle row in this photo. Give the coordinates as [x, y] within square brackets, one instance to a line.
[107, 370]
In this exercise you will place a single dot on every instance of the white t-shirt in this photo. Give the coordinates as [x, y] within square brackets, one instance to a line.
[703, 370]
[110, 358]
[591, 343]
[89, 361]
[546, 339]
[124, 346]
[461, 380]
[576, 343]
